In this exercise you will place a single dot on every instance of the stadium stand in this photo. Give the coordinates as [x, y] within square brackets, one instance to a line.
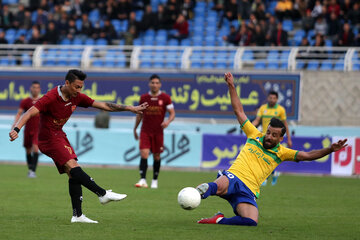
[90, 26]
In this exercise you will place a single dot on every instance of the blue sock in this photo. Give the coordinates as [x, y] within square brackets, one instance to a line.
[211, 191]
[237, 220]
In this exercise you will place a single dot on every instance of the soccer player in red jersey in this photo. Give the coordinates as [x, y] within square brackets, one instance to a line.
[55, 108]
[152, 129]
[31, 129]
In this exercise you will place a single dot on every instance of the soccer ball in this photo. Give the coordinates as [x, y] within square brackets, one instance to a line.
[189, 198]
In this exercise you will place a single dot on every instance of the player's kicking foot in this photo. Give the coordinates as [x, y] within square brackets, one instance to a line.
[141, 183]
[213, 220]
[202, 189]
[31, 174]
[154, 183]
[82, 219]
[111, 196]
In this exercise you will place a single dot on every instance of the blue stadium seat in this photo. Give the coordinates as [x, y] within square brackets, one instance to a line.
[273, 66]
[326, 65]
[173, 42]
[65, 41]
[137, 42]
[77, 41]
[284, 56]
[300, 64]
[259, 65]
[97, 63]
[299, 34]
[339, 65]
[288, 25]
[273, 55]
[89, 41]
[247, 55]
[284, 65]
[208, 65]
[101, 42]
[356, 66]
[26, 60]
[313, 65]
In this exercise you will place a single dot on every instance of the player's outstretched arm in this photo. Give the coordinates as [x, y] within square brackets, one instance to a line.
[17, 117]
[316, 154]
[235, 101]
[13, 134]
[113, 107]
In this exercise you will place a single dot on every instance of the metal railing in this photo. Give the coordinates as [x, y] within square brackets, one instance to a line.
[177, 57]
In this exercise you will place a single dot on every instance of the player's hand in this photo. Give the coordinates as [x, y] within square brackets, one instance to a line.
[139, 109]
[338, 145]
[289, 143]
[136, 136]
[13, 135]
[229, 79]
[164, 124]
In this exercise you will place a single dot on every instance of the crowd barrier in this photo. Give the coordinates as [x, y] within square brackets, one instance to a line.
[187, 149]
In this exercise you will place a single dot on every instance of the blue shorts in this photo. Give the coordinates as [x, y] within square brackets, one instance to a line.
[238, 192]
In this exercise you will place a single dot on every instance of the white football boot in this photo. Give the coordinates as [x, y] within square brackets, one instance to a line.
[31, 174]
[141, 183]
[154, 183]
[82, 219]
[111, 196]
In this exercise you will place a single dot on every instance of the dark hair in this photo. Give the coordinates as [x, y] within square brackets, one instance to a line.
[35, 82]
[74, 74]
[154, 76]
[274, 93]
[277, 123]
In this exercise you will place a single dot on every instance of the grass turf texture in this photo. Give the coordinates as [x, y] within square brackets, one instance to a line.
[296, 208]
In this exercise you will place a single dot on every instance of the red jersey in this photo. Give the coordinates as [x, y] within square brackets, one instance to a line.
[154, 115]
[32, 125]
[55, 111]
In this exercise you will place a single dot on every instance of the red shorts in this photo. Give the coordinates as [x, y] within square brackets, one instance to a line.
[154, 142]
[30, 138]
[60, 150]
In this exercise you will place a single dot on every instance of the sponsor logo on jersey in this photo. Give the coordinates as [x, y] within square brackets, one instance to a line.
[68, 148]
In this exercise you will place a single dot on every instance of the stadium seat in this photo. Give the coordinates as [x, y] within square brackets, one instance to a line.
[300, 65]
[77, 41]
[273, 65]
[97, 63]
[326, 65]
[288, 25]
[260, 65]
[89, 41]
[356, 66]
[339, 65]
[313, 65]
[272, 55]
[101, 42]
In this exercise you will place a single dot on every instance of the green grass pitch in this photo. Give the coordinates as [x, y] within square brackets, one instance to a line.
[296, 208]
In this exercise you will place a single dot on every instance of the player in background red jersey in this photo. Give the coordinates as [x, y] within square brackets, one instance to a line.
[152, 129]
[31, 128]
[55, 108]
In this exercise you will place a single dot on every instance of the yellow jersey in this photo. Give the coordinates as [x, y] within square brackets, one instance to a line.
[266, 113]
[255, 163]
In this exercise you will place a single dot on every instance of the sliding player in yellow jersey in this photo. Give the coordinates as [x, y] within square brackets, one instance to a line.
[262, 153]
